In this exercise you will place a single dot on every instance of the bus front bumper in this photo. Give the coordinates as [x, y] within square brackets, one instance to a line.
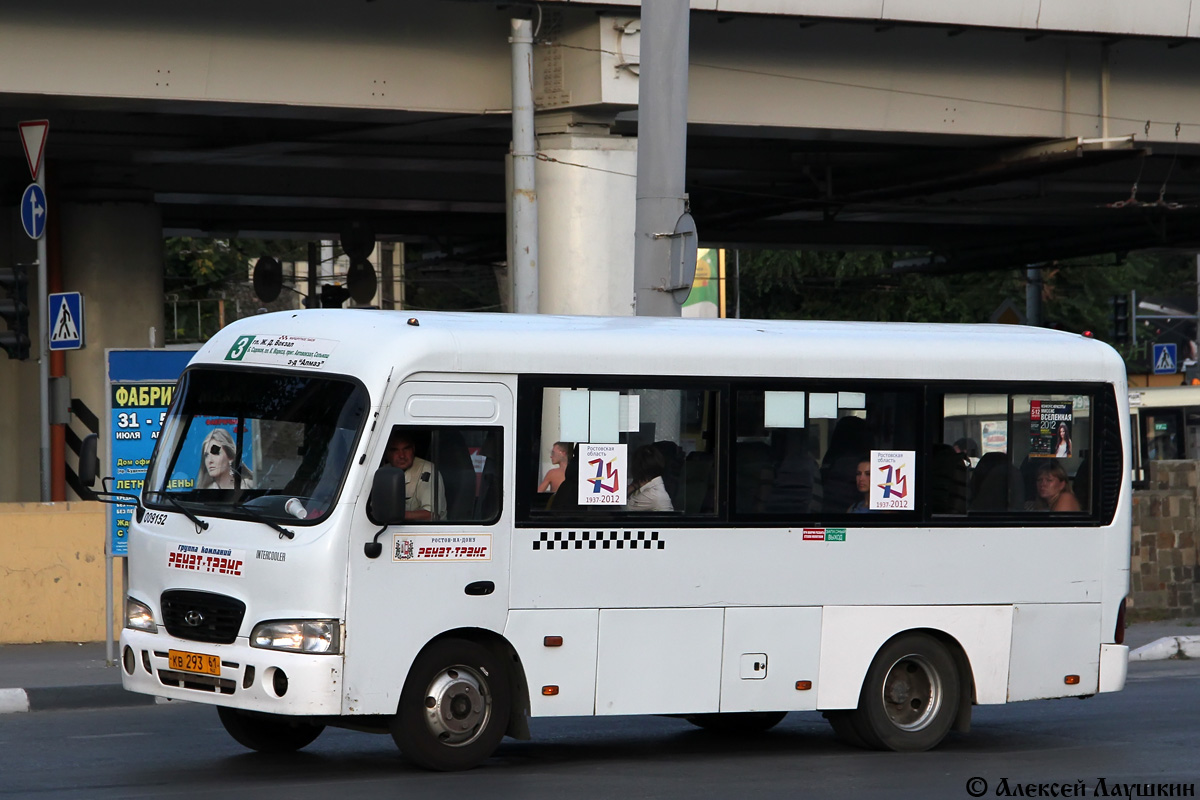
[234, 675]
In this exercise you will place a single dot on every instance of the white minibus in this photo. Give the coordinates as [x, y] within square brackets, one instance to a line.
[888, 523]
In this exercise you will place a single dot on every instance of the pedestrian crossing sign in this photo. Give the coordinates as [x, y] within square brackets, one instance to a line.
[1165, 361]
[66, 321]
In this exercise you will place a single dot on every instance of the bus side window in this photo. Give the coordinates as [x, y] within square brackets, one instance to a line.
[464, 471]
[662, 456]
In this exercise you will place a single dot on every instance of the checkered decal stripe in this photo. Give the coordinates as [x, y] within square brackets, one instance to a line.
[599, 540]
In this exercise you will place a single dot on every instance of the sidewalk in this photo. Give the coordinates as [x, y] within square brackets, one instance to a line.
[42, 677]
[1170, 638]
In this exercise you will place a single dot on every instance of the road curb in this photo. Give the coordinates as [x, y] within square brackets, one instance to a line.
[61, 698]
[1168, 647]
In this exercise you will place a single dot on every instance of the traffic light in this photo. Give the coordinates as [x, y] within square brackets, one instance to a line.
[14, 309]
[333, 295]
[1120, 318]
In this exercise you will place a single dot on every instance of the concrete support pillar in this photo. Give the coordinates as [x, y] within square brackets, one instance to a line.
[586, 186]
[113, 254]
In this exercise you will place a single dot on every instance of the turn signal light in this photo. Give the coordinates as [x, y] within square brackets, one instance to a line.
[1071, 680]
[552, 641]
[803, 686]
[549, 691]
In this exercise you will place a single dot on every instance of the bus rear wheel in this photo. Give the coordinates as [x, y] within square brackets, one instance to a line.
[268, 733]
[740, 723]
[909, 697]
[454, 707]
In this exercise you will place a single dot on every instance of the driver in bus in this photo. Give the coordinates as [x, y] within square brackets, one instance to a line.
[425, 496]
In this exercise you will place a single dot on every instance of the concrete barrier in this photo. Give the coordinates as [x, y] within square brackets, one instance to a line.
[52, 573]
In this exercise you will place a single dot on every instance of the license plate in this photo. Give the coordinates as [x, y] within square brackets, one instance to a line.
[194, 662]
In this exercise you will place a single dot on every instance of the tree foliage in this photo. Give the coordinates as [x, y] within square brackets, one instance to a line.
[199, 268]
[1076, 294]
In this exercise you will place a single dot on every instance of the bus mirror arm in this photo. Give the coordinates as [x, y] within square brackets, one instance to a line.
[374, 548]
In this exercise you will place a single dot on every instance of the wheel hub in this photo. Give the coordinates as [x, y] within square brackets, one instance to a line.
[912, 693]
[457, 705]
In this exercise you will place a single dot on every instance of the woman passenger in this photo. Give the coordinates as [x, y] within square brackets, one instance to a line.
[647, 490]
[1053, 491]
[862, 485]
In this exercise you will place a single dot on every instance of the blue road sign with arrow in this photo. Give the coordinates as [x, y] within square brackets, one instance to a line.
[33, 211]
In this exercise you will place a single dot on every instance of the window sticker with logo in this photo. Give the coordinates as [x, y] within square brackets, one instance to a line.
[602, 475]
[893, 484]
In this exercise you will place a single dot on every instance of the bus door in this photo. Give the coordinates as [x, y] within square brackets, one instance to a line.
[446, 566]
[1162, 434]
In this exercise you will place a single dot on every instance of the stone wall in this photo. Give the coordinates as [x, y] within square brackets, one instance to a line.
[1163, 570]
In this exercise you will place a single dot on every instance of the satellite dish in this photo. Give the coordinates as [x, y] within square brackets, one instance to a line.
[360, 279]
[358, 241]
[268, 278]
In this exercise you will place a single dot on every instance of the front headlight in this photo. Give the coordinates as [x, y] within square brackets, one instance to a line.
[138, 616]
[301, 635]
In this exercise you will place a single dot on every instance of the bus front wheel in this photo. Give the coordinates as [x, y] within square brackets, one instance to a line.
[454, 707]
[268, 733]
[909, 697]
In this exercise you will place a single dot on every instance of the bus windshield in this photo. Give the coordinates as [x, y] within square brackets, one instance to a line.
[257, 445]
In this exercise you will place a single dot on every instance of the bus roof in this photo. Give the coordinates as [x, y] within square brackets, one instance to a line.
[370, 344]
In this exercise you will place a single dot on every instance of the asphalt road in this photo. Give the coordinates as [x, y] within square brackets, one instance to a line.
[1148, 733]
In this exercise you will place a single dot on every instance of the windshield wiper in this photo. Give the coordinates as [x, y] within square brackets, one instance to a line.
[200, 524]
[254, 515]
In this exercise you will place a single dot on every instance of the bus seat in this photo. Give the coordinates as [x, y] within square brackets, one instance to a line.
[754, 473]
[673, 459]
[948, 476]
[698, 481]
[453, 462]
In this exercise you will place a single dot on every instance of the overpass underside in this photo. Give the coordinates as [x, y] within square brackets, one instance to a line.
[989, 147]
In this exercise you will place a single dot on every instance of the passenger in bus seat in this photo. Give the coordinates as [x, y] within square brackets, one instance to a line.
[422, 484]
[560, 453]
[862, 485]
[969, 449]
[1053, 488]
[647, 492]
[850, 439]
[566, 496]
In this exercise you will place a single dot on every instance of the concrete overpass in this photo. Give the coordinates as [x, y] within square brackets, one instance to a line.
[992, 136]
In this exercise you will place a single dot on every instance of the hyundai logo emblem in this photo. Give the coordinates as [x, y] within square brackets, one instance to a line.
[193, 618]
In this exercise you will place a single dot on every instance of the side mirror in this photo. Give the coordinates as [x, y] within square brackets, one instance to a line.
[387, 496]
[89, 462]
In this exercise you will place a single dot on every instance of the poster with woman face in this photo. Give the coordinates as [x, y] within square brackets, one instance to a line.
[1050, 424]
